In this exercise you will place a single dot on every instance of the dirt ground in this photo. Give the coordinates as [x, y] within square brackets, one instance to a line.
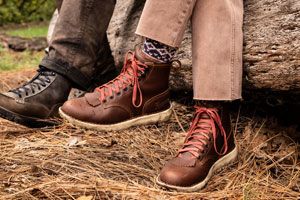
[65, 162]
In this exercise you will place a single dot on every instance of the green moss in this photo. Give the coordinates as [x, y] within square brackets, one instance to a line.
[10, 60]
[29, 32]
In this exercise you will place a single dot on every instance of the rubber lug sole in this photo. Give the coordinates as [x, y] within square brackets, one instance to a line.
[27, 121]
[143, 120]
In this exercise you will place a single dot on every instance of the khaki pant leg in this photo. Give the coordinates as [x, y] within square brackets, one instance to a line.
[165, 20]
[217, 49]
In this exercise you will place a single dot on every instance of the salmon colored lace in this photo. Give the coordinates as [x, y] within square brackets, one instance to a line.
[198, 135]
[129, 76]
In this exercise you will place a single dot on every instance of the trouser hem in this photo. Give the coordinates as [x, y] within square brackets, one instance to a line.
[81, 80]
[216, 99]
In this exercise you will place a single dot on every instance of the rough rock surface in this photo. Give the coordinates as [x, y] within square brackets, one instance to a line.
[272, 44]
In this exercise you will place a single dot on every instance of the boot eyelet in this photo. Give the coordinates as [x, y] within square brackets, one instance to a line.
[104, 101]
[125, 89]
[111, 97]
[119, 94]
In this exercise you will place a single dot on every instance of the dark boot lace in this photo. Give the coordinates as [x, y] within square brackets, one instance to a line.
[41, 79]
[198, 136]
[129, 76]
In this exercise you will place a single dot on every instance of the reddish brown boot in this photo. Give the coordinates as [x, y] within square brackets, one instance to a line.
[207, 147]
[139, 95]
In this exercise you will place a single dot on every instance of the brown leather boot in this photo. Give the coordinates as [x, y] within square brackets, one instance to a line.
[37, 100]
[209, 145]
[139, 95]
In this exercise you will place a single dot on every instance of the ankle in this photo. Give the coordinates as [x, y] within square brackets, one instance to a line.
[223, 110]
[212, 104]
[159, 51]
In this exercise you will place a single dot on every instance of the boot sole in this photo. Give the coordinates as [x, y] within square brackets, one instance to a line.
[144, 120]
[222, 162]
[26, 121]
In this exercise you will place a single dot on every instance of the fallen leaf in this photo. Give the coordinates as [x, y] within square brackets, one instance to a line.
[75, 141]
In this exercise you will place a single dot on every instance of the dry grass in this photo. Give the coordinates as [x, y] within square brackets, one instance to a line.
[68, 163]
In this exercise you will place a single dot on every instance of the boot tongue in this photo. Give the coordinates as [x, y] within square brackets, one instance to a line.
[94, 98]
[188, 155]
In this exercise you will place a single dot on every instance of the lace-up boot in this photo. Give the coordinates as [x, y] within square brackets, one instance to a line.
[37, 100]
[209, 145]
[139, 95]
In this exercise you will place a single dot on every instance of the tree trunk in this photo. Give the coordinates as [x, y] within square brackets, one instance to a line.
[271, 46]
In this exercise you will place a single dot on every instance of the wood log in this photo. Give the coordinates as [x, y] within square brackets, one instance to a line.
[271, 46]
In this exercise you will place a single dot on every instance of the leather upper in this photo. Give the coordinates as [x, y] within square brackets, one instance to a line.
[37, 101]
[186, 170]
[119, 105]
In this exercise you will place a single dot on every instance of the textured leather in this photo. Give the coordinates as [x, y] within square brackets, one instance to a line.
[79, 41]
[186, 170]
[42, 103]
[119, 107]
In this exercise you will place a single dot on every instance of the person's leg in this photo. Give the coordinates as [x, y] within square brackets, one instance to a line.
[78, 37]
[217, 50]
[162, 52]
[162, 24]
[140, 94]
[217, 76]
[165, 21]
[105, 69]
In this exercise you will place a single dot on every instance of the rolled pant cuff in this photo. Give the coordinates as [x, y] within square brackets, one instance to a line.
[217, 99]
[157, 38]
[81, 80]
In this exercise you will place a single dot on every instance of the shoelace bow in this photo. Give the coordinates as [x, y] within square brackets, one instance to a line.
[129, 76]
[197, 136]
[40, 80]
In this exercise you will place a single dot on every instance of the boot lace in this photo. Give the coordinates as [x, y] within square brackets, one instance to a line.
[198, 135]
[129, 76]
[41, 79]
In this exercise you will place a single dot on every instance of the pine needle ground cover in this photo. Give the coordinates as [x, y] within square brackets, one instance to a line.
[71, 163]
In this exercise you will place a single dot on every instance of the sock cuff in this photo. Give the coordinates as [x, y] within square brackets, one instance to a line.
[159, 51]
